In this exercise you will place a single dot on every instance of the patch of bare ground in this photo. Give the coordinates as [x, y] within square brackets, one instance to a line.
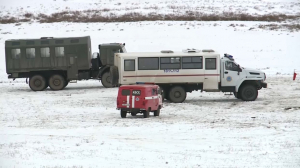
[106, 15]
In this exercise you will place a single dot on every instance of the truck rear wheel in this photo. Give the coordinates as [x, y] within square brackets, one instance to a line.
[105, 80]
[123, 113]
[248, 93]
[177, 94]
[37, 83]
[57, 82]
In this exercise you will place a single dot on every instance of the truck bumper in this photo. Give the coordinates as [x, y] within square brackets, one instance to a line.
[264, 84]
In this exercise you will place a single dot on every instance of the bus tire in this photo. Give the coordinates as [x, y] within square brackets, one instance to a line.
[177, 94]
[248, 93]
[37, 83]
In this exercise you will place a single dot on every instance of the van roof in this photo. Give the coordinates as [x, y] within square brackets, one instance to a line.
[137, 86]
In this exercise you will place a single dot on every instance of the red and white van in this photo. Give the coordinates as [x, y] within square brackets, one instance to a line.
[141, 98]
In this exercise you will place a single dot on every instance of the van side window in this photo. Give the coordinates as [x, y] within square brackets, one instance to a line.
[148, 63]
[30, 52]
[210, 63]
[170, 63]
[231, 66]
[129, 65]
[16, 53]
[59, 51]
[45, 52]
[192, 62]
[126, 92]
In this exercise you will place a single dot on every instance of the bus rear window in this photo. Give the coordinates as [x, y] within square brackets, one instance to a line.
[126, 92]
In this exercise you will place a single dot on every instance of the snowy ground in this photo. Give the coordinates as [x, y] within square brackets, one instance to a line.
[80, 127]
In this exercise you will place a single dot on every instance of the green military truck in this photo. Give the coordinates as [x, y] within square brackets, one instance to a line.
[54, 62]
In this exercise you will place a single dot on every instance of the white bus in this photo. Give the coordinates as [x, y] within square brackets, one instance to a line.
[180, 72]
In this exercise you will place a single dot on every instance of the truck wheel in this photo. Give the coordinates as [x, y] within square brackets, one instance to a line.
[248, 93]
[57, 82]
[37, 83]
[146, 113]
[123, 114]
[105, 80]
[67, 82]
[157, 112]
[237, 95]
[177, 94]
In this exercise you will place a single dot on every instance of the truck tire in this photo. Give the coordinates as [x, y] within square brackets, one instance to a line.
[237, 95]
[105, 80]
[146, 113]
[37, 83]
[123, 113]
[57, 82]
[67, 82]
[248, 93]
[114, 75]
[177, 94]
[157, 112]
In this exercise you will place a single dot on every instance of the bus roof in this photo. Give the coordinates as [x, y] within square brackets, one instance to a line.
[159, 54]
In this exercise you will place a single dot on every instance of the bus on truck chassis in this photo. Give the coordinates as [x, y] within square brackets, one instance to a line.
[180, 72]
[54, 62]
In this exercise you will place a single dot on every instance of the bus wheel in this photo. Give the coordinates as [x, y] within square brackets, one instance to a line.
[177, 94]
[37, 83]
[248, 93]
[105, 80]
[57, 82]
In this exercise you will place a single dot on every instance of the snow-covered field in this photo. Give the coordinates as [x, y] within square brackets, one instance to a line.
[80, 127]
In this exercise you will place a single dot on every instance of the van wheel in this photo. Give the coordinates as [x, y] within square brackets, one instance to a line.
[37, 83]
[146, 113]
[57, 82]
[105, 80]
[177, 94]
[157, 112]
[123, 113]
[248, 93]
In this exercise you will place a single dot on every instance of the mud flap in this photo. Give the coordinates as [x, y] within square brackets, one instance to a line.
[114, 75]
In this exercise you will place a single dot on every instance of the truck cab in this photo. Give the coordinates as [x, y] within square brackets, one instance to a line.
[243, 82]
[140, 98]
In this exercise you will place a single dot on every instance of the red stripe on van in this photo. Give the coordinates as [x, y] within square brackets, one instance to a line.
[170, 75]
